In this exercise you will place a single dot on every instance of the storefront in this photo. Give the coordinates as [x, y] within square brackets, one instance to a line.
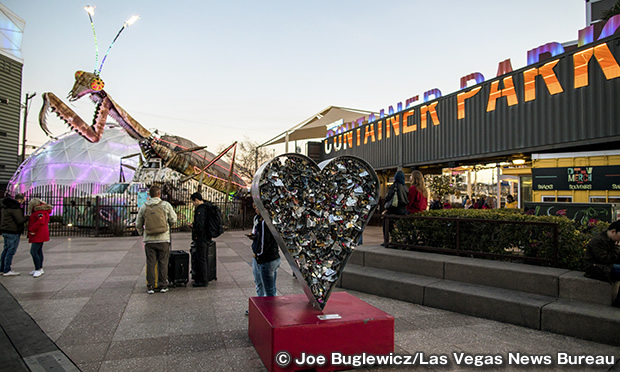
[592, 177]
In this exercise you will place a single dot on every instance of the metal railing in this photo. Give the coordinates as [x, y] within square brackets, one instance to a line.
[523, 241]
[87, 211]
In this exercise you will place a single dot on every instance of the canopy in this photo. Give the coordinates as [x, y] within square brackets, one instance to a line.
[315, 126]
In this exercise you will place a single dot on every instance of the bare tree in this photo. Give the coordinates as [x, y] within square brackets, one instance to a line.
[248, 158]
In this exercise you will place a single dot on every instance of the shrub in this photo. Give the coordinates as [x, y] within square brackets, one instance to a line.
[515, 241]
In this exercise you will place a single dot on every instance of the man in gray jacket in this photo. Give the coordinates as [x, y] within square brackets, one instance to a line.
[153, 223]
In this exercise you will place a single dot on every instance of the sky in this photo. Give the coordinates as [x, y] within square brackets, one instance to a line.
[217, 72]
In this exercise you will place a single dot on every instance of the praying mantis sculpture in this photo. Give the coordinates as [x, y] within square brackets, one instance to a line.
[181, 159]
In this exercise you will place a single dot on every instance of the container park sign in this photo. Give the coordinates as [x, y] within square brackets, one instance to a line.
[568, 99]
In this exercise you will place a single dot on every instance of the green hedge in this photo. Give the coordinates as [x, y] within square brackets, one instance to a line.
[512, 241]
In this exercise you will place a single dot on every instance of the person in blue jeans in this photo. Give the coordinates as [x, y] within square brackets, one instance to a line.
[266, 258]
[12, 227]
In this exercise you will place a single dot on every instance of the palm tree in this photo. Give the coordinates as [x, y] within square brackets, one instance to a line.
[614, 10]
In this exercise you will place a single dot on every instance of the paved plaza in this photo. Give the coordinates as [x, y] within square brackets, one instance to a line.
[92, 303]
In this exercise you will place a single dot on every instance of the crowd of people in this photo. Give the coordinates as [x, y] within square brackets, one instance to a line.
[482, 202]
[401, 200]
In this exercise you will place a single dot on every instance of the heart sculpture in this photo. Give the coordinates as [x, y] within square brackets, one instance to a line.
[317, 214]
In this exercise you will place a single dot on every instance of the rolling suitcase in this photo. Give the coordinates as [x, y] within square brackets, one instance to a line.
[178, 268]
[211, 262]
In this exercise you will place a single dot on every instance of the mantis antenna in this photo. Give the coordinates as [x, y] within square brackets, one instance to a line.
[129, 22]
[91, 12]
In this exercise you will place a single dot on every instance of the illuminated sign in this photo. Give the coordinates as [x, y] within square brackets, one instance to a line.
[336, 127]
[506, 91]
[576, 178]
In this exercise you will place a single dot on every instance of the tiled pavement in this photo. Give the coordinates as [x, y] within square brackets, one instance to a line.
[92, 303]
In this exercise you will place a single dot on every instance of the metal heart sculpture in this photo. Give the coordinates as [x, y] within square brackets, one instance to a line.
[317, 214]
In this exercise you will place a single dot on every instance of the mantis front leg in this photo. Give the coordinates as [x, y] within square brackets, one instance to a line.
[92, 133]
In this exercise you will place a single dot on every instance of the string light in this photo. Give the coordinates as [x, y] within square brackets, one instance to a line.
[127, 23]
[91, 12]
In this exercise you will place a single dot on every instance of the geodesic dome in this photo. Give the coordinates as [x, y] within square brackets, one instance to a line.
[70, 160]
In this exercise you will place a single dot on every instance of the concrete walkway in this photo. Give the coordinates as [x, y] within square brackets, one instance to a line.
[90, 309]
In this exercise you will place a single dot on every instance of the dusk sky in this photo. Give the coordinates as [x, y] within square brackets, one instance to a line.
[215, 72]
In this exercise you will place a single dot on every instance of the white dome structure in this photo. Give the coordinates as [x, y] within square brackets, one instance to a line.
[70, 160]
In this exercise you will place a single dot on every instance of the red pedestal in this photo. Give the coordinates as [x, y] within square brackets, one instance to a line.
[290, 324]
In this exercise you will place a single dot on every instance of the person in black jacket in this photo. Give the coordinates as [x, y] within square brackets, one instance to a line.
[200, 239]
[266, 257]
[399, 190]
[603, 257]
[12, 226]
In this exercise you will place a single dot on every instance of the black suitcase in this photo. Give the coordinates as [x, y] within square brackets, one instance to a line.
[178, 268]
[211, 261]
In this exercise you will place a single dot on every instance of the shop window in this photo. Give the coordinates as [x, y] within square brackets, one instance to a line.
[601, 199]
[565, 199]
[526, 189]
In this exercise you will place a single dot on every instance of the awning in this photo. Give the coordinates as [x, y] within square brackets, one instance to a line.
[315, 126]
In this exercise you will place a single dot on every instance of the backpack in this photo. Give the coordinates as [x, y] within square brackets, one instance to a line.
[214, 224]
[155, 221]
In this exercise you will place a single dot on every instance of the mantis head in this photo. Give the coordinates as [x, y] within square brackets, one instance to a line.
[85, 83]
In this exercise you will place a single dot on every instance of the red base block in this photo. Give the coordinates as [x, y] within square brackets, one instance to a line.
[290, 324]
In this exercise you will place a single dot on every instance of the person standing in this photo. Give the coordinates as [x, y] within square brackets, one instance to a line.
[400, 191]
[201, 240]
[418, 193]
[436, 203]
[12, 227]
[266, 257]
[153, 223]
[38, 232]
[603, 257]
[465, 200]
[511, 202]
[490, 203]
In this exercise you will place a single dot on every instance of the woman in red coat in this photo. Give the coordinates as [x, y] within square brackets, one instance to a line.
[38, 232]
[418, 193]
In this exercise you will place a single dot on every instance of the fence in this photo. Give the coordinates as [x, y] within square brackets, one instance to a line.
[524, 241]
[85, 210]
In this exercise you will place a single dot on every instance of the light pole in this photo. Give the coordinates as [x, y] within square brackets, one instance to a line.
[28, 98]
